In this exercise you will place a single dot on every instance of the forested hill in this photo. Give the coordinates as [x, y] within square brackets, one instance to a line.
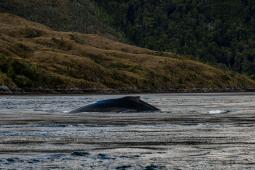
[34, 57]
[216, 31]
[62, 15]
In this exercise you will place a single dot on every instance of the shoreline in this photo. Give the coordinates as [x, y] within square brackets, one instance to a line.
[120, 92]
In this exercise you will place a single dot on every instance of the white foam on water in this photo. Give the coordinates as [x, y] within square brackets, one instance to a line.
[218, 111]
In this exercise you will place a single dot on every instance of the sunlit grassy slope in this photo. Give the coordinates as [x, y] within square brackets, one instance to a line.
[33, 56]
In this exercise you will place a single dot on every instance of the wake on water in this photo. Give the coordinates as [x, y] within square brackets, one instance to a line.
[218, 111]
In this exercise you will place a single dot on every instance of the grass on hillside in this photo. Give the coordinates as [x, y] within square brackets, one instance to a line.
[33, 56]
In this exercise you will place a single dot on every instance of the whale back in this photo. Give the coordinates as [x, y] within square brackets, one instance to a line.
[124, 104]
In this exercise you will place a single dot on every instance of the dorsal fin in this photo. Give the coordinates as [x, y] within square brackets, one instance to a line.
[134, 98]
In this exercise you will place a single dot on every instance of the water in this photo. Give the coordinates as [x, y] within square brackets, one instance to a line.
[192, 131]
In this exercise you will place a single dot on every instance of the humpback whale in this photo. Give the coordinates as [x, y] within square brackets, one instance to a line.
[124, 104]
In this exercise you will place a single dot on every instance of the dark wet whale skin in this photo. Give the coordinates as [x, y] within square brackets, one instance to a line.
[124, 104]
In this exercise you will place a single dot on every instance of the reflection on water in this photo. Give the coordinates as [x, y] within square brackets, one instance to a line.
[192, 131]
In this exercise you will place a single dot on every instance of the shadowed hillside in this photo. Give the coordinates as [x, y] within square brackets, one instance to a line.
[214, 31]
[62, 15]
[33, 56]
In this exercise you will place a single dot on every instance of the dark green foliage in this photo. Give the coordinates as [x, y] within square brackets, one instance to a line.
[216, 31]
[22, 81]
[64, 15]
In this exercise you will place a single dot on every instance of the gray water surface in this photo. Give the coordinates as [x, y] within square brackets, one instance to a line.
[192, 131]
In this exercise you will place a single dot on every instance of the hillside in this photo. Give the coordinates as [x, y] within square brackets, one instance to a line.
[62, 15]
[35, 57]
[216, 32]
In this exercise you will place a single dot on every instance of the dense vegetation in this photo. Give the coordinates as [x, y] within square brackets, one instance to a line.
[63, 15]
[33, 56]
[214, 31]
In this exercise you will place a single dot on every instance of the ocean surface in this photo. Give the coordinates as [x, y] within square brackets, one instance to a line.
[192, 131]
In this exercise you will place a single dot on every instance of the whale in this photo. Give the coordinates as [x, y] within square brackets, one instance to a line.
[124, 104]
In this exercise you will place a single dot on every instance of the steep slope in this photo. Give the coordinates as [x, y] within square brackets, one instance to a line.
[34, 57]
[62, 15]
[216, 31]
[212, 30]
